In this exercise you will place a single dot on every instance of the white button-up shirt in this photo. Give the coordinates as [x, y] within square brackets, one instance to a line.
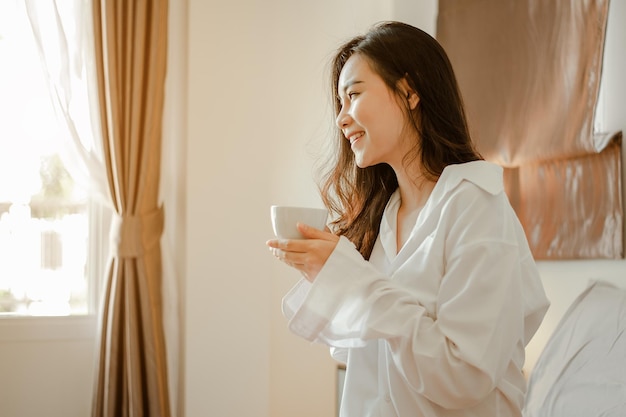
[438, 328]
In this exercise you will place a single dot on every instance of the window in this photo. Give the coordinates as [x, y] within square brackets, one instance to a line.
[47, 219]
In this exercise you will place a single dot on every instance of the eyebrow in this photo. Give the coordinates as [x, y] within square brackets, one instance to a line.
[350, 84]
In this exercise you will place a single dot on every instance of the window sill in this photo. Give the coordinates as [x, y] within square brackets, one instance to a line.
[20, 328]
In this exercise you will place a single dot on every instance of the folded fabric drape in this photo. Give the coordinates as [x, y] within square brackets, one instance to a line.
[529, 72]
[571, 207]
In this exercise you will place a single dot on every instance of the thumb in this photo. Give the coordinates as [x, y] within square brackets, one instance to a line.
[310, 232]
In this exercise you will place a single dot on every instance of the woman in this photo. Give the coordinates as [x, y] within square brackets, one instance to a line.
[427, 289]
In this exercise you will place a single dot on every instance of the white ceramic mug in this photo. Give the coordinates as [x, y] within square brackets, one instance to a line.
[285, 218]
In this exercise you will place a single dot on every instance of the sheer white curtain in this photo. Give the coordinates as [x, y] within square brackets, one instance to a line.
[63, 31]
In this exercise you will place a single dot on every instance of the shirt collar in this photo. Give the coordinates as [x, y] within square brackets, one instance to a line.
[486, 175]
[483, 174]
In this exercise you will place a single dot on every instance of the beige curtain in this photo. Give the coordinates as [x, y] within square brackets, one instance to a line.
[131, 47]
[530, 73]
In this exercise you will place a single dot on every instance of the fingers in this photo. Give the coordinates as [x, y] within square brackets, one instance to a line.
[294, 259]
[307, 255]
[301, 245]
[287, 245]
[312, 233]
[280, 248]
[283, 250]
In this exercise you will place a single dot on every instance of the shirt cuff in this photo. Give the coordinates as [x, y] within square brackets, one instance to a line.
[312, 308]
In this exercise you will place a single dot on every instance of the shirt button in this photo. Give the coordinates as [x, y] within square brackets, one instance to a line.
[387, 397]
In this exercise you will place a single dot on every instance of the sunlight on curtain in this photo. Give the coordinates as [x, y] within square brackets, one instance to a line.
[66, 42]
[530, 75]
[63, 32]
[44, 200]
[131, 60]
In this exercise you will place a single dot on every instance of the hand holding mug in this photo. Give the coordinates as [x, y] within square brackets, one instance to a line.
[300, 241]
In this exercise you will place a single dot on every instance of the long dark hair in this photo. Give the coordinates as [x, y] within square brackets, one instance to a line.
[357, 196]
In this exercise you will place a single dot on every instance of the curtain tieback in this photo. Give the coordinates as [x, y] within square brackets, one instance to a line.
[132, 236]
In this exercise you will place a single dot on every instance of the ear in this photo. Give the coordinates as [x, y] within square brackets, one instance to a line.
[410, 94]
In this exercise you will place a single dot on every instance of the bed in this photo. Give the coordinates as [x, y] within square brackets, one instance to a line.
[582, 369]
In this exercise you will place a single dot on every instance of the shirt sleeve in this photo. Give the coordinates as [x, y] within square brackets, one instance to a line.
[454, 357]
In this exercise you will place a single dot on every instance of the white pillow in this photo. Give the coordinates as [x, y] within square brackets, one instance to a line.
[582, 369]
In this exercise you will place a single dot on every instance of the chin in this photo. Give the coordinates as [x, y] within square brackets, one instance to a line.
[362, 163]
[359, 161]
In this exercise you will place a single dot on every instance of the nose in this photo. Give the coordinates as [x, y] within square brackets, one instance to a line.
[343, 119]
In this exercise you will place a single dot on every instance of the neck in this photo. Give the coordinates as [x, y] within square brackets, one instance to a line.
[414, 190]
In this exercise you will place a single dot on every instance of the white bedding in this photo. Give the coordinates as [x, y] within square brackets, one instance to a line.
[582, 369]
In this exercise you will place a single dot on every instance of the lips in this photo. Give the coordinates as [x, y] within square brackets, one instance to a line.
[355, 137]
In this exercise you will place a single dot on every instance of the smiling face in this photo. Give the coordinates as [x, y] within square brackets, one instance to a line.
[371, 116]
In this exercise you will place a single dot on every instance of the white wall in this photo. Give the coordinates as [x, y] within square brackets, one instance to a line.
[257, 114]
[173, 192]
[46, 366]
[302, 376]
[226, 294]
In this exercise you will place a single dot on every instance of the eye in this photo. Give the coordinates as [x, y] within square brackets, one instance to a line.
[352, 94]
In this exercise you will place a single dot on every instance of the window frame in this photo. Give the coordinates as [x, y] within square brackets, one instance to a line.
[17, 326]
[14, 328]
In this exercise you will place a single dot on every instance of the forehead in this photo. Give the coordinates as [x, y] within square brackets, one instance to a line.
[356, 69]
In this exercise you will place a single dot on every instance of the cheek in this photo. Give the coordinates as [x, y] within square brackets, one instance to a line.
[395, 121]
[383, 122]
[366, 113]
